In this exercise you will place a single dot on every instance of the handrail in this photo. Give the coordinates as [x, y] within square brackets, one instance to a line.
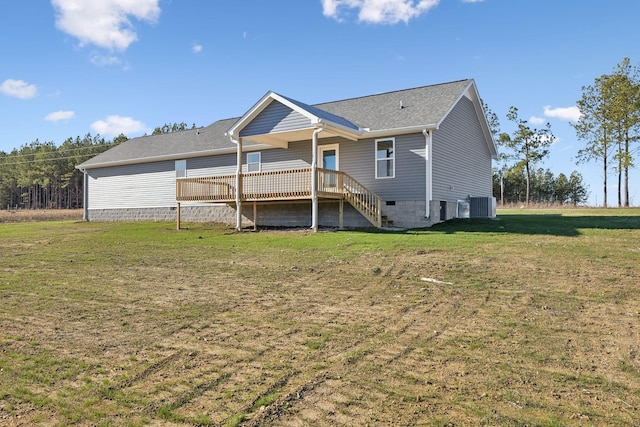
[365, 201]
[288, 184]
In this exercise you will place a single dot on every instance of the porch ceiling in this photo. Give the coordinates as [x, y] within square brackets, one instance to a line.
[282, 139]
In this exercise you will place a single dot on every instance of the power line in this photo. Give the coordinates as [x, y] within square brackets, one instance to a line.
[44, 160]
[67, 150]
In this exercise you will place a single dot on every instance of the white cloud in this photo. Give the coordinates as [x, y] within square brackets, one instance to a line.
[568, 113]
[379, 11]
[18, 89]
[59, 115]
[115, 125]
[196, 48]
[537, 120]
[104, 23]
[105, 61]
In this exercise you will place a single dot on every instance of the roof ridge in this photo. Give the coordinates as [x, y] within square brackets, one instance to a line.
[318, 105]
[389, 92]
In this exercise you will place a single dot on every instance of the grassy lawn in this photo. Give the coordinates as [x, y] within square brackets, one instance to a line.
[531, 319]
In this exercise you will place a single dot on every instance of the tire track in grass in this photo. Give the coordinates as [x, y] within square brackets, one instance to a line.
[344, 392]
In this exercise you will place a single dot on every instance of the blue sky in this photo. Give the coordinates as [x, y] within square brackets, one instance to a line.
[132, 65]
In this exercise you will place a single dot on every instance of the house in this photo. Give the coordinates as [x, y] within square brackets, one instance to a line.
[404, 158]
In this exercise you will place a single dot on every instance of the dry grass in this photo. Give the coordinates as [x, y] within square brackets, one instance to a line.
[525, 321]
[30, 215]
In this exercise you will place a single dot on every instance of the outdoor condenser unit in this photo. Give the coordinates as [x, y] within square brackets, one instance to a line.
[482, 207]
[463, 209]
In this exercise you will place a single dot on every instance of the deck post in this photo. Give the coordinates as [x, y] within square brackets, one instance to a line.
[341, 217]
[239, 186]
[255, 215]
[178, 217]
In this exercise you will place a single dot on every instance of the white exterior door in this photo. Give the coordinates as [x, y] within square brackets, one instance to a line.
[329, 159]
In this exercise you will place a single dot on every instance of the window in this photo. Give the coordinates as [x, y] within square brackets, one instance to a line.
[181, 168]
[253, 162]
[385, 158]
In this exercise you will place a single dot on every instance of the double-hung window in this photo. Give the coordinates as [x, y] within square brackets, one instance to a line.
[253, 162]
[385, 158]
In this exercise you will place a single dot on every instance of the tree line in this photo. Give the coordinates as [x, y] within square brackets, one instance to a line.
[545, 187]
[609, 126]
[42, 175]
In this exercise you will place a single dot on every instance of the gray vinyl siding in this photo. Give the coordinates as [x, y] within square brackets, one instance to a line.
[358, 160]
[298, 155]
[224, 164]
[461, 157]
[276, 117]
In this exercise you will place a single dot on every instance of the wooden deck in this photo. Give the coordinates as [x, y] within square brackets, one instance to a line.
[282, 185]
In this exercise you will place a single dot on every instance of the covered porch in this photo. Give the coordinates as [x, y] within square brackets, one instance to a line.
[276, 121]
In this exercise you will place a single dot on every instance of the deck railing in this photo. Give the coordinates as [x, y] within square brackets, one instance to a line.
[282, 185]
[206, 189]
[277, 185]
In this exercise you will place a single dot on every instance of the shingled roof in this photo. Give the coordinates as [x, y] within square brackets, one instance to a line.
[423, 106]
[187, 143]
[426, 105]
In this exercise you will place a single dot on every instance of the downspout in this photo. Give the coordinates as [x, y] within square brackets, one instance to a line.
[428, 140]
[85, 195]
[238, 142]
[314, 177]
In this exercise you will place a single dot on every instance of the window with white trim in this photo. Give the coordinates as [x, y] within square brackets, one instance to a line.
[254, 162]
[385, 158]
[181, 168]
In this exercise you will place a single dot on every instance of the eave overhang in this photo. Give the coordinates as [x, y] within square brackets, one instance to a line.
[169, 157]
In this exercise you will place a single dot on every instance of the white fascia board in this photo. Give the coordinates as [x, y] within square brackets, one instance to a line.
[471, 91]
[454, 103]
[360, 134]
[482, 116]
[398, 131]
[312, 117]
[259, 106]
[168, 157]
[343, 131]
[233, 131]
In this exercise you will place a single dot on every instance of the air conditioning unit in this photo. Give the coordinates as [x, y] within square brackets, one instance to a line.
[482, 207]
[463, 209]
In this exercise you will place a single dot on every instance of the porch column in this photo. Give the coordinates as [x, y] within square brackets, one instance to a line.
[239, 186]
[314, 178]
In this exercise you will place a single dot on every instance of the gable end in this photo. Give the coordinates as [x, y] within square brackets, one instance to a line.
[276, 117]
